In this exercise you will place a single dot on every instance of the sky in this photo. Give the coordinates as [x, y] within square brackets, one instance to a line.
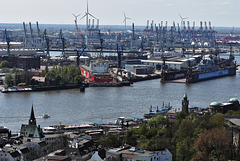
[221, 13]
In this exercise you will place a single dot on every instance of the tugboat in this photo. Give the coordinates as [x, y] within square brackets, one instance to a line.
[45, 116]
[155, 111]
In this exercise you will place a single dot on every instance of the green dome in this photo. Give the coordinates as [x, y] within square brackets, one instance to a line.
[185, 95]
[233, 100]
[215, 104]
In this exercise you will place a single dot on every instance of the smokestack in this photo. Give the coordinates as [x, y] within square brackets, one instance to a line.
[193, 25]
[205, 25]
[97, 24]
[201, 27]
[133, 36]
[210, 27]
[92, 23]
[174, 24]
[152, 25]
[89, 23]
[166, 24]
[188, 25]
[178, 26]
[147, 24]
[184, 27]
[161, 23]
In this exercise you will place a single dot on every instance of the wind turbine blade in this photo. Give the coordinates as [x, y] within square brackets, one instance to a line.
[83, 16]
[78, 15]
[124, 20]
[92, 15]
[74, 15]
[180, 16]
[87, 6]
[128, 18]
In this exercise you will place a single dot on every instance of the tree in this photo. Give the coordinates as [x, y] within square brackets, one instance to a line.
[214, 143]
[9, 80]
[142, 130]
[185, 129]
[218, 120]
[131, 137]
[180, 116]
[184, 151]
[158, 122]
[110, 141]
[4, 64]
[5, 70]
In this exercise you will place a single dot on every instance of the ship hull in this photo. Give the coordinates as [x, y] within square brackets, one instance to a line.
[196, 77]
[165, 77]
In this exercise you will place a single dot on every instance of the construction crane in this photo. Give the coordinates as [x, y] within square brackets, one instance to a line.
[7, 38]
[78, 32]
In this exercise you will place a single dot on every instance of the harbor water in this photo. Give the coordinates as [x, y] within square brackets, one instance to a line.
[72, 107]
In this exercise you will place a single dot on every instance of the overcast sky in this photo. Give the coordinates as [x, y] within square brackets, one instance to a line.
[110, 12]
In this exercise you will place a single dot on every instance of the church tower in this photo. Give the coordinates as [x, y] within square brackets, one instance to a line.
[185, 103]
[32, 120]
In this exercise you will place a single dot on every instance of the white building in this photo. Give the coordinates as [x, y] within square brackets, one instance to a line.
[135, 154]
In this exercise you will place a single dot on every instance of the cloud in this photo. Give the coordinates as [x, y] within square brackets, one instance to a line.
[222, 13]
[169, 5]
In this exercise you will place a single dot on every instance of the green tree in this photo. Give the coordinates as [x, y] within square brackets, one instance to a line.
[131, 137]
[5, 70]
[142, 130]
[180, 116]
[185, 129]
[218, 120]
[110, 141]
[9, 80]
[158, 122]
[4, 64]
[184, 151]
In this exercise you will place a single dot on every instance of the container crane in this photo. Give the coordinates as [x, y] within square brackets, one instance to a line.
[46, 38]
[7, 38]
[25, 34]
[63, 42]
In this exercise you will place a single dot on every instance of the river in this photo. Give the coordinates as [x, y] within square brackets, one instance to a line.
[73, 107]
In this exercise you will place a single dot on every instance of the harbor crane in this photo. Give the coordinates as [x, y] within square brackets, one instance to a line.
[61, 37]
[46, 38]
[7, 38]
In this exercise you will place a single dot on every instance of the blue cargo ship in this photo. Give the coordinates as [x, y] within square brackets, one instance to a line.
[212, 67]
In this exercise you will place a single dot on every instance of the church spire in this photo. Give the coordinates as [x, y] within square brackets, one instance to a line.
[32, 120]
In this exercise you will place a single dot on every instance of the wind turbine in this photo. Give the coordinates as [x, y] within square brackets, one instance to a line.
[182, 18]
[86, 15]
[125, 20]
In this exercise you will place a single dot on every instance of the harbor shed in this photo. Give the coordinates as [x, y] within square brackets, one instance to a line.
[176, 65]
